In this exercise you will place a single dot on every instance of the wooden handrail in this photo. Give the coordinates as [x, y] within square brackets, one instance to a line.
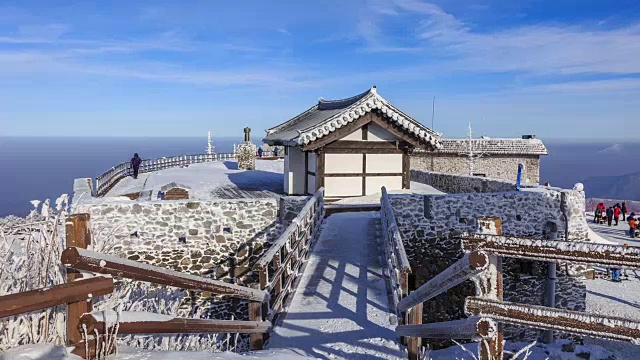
[150, 323]
[79, 290]
[541, 317]
[553, 250]
[470, 265]
[265, 259]
[106, 264]
[469, 329]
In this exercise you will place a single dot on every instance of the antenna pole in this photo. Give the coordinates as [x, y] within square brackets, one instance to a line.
[433, 111]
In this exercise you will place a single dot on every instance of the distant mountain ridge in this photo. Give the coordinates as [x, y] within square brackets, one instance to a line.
[613, 187]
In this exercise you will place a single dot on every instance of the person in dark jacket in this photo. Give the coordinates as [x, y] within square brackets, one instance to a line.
[135, 164]
[259, 152]
[624, 211]
[609, 215]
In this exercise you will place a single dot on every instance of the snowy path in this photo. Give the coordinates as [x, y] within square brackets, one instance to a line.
[340, 310]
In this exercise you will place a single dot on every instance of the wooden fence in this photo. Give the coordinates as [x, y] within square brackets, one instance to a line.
[108, 179]
[487, 311]
[282, 264]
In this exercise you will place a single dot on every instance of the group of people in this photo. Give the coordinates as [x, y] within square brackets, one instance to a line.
[612, 213]
[260, 152]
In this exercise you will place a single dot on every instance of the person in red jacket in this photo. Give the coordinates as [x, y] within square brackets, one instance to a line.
[616, 214]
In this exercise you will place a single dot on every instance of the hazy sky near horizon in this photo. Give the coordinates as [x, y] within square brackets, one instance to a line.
[558, 69]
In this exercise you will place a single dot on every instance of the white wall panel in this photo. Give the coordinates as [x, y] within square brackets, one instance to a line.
[296, 171]
[343, 186]
[384, 163]
[312, 162]
[377, 133]
[342, 163]
[375, 183]
[356, 135]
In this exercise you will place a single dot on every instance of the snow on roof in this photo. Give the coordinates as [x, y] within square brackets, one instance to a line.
[494, 146]
[329, 115]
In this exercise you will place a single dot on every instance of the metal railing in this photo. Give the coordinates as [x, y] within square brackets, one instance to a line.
[108, 179]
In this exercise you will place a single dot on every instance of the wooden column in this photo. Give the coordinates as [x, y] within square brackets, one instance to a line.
[78, 234]
[306, 173]
[414, 343]
[255, 314]
[492, 348]
[406, 170]
[320, 169]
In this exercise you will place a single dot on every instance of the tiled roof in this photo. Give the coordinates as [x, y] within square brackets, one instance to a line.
[494, 146]
[329, 115]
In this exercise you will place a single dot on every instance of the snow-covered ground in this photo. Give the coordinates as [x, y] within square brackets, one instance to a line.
[205, 178]
[341, 309]
[51, 352]
[416, 188]
[618, 299]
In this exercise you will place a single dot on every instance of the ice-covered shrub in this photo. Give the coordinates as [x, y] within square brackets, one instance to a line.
[30, 249]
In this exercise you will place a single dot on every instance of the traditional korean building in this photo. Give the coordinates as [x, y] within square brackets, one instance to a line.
[351, 147]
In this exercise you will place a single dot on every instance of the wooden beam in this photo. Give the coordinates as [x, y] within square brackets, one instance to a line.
[470, 265]
[406, 170]
[106, 264]
[255, 314]
[470, 328]
[414, 343]
[306, 172]
[334, 150]
[150, 323]
[364, 171]
[365, 132]
[357, 144]
[568, 321]
[67, 293]
[361, 174]
[78, 234]
[319, 169]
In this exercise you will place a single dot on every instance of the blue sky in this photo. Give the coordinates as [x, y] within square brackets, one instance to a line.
[559, 69]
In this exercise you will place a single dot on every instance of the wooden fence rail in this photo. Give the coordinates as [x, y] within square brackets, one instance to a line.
[79, 290]
[150, 323]
[83, 259]
[488, 310]
[573, 322]
[280, 266]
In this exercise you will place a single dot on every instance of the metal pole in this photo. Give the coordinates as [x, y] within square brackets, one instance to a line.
[550, 300]
[519, 177]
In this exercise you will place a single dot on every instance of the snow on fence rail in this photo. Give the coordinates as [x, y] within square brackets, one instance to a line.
[552, 250]
[395, 254]
[484, 267]
[108, 179]
[79, 290]
[281, 264]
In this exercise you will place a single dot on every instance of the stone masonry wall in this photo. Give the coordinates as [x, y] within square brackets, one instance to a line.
[461, 184]
[216, 239]
[429, 226]
[503, 167]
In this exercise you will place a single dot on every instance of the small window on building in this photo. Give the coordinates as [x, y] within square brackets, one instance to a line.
[480, 174]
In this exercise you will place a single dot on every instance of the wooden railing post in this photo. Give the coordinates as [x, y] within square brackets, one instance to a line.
[78, 234]
[255, 314]
[414, 343]
[492, 348]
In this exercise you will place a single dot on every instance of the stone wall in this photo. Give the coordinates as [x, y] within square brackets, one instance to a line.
[503, 167]
[429, 226]
[246, 156]
[461, 184]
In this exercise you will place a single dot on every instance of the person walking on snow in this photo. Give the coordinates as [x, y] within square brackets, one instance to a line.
[615, 274]
[259, 152]
[633, 223]
[624, 211]
[135, 164]
[616, 214]
[609, 213]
